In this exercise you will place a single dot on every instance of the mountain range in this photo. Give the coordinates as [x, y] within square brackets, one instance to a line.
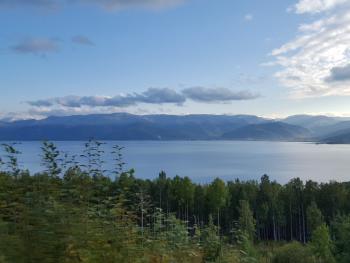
[124, 126]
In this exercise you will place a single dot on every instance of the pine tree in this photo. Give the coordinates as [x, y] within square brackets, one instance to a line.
[314, 217]
[12, 158]
[210, 241]
[50, 159]
[246, 220]
[322, 245]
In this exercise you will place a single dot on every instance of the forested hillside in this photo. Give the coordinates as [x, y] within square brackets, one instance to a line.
[74, 212]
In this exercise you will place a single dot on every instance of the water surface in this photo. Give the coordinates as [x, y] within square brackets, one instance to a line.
[204, 160]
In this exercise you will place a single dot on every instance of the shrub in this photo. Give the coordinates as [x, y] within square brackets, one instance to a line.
[292, 253]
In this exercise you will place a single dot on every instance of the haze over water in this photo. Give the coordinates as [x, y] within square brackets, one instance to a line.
[204, 160]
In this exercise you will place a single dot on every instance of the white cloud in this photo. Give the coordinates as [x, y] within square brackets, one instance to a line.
[248, 17]
[322, 45]
[317, 6]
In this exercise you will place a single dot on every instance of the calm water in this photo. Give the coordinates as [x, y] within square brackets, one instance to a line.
[204, 160]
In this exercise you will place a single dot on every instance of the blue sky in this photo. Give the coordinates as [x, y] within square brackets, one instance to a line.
[269, 58]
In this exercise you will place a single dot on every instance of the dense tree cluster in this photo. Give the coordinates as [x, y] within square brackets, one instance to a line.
[72, 212]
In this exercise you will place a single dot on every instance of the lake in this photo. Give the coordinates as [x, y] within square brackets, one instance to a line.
[204, 160]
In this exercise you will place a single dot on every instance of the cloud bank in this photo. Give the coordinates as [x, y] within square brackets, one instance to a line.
[150, 96]
[134, 102]
[155, 96]
[312, 63]
[202, 94]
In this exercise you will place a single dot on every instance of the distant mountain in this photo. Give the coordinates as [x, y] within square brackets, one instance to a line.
[323, 129]
[314, 123]
[341, 136]
[271, 131]
[333, 130]
[123, 126]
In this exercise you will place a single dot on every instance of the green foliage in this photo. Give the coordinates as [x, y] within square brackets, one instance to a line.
[210, 242]
[314, 217]
[118, 160]
[341, 230]
[321, 244]
[292, 253]
[244, 243]
[246, 220]
[50, 158]
[177, 234]
[11, 155]
[216, 195]
[92, 156]
[248, 253]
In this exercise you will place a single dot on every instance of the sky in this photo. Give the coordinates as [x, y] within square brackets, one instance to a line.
[270, 58]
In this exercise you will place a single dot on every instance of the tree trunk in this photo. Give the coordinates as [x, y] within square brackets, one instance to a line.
[291, 220]
[218, 221]
[299, 217]
[274, 227]
[303, 218]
